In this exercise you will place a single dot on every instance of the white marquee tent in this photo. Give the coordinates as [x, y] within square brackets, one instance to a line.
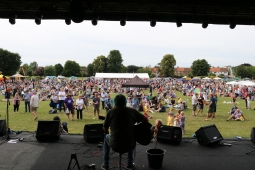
[122, 75]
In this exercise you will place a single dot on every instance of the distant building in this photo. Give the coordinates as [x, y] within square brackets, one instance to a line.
[182, 71]
[219, 70]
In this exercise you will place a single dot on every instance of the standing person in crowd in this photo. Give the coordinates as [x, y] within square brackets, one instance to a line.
[135, 102]
[200, 104]
[96, 104]
[79, 107]
[194, 104]
[248, 102]
[61, 98]
[103, 98]
[120, 120]
[108, 103]
[27, 101]
[182, 122]
[68, 104]
[34, 104]
[16, 102]
[85, 101]
[212, 106]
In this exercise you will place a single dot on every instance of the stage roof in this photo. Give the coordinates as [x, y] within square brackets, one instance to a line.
[122, 75]
[241, 12]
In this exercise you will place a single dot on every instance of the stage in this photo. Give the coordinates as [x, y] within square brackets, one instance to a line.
[30, 154]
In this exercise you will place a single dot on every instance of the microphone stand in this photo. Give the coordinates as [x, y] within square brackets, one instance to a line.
[7, 96]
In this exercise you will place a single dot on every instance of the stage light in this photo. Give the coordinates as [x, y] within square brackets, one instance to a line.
[178, 22]
[38, 20]
[94, 22]
[68, 21]
[232, 24]
[12, 21]
[77, 11]
[122, 22]
[205, 24]
[153, 23]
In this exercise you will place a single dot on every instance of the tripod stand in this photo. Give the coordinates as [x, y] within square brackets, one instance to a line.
[73, 156]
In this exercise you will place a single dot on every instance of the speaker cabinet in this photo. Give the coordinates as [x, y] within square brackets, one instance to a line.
[93, 133]
[208, 135]
[169, 134]
[48, 131]
[253, 134]
[2, 127]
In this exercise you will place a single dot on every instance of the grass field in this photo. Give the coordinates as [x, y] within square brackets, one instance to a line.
[229, 129]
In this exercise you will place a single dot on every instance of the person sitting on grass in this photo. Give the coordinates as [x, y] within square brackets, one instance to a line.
[161, 108]
[233, 109]
[238, 116]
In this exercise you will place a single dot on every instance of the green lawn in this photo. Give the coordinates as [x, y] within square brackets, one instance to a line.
[229, 129]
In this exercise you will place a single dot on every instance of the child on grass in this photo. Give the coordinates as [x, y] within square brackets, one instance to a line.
[170, 117]
[182, 122]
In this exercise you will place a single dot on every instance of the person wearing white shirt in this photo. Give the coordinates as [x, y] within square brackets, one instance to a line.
[79, 107]
[194, 104]
[103, 98]
[61, 98]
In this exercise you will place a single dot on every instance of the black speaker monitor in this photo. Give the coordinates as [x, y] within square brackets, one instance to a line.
[208, 135]
[93, 133]
[48, 131]
[2, 127]
[253, 134]
[169, 134]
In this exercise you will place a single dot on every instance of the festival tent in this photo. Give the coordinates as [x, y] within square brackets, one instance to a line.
[247, 83]
[61, 77]
[17, 76]
[217, 78]
[121, 75]
[233, 82]
[136, 82]
[206, 78]
[73, 78]
[246, 78]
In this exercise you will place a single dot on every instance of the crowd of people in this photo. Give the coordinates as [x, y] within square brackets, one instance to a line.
[96, 92]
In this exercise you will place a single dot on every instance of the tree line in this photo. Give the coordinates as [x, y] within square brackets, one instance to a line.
[10, 63]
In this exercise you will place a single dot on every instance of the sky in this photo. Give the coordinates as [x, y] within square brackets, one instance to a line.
[140, 44]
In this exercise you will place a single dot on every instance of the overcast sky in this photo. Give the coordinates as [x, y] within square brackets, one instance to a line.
[140, 44]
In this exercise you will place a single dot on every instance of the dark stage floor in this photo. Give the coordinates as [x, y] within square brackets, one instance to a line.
[30, 154]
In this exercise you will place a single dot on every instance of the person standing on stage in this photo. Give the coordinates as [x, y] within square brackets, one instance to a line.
[34, 104]
[96, 103]
[27, 98]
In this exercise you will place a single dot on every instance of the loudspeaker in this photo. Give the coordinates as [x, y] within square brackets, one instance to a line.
[2, 127]
[169, 134]
[208, 135]
[253, 134]
[93, 133]
[48, 131]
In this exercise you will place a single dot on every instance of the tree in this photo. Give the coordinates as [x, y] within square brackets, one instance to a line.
[31, 71]
[145, 70]
[114, 61]
[132, 69]
[71, 68]
[9, 62]
[84, 71]
[167, 65]
[200, 68]
[59, 69]
[100, 64]
[49, 70]
[90, 70]
[245, 71]
[39, 71]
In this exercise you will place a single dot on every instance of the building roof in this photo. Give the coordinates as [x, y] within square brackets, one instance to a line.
[218, 69]
[182, 69]
[240, 12]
